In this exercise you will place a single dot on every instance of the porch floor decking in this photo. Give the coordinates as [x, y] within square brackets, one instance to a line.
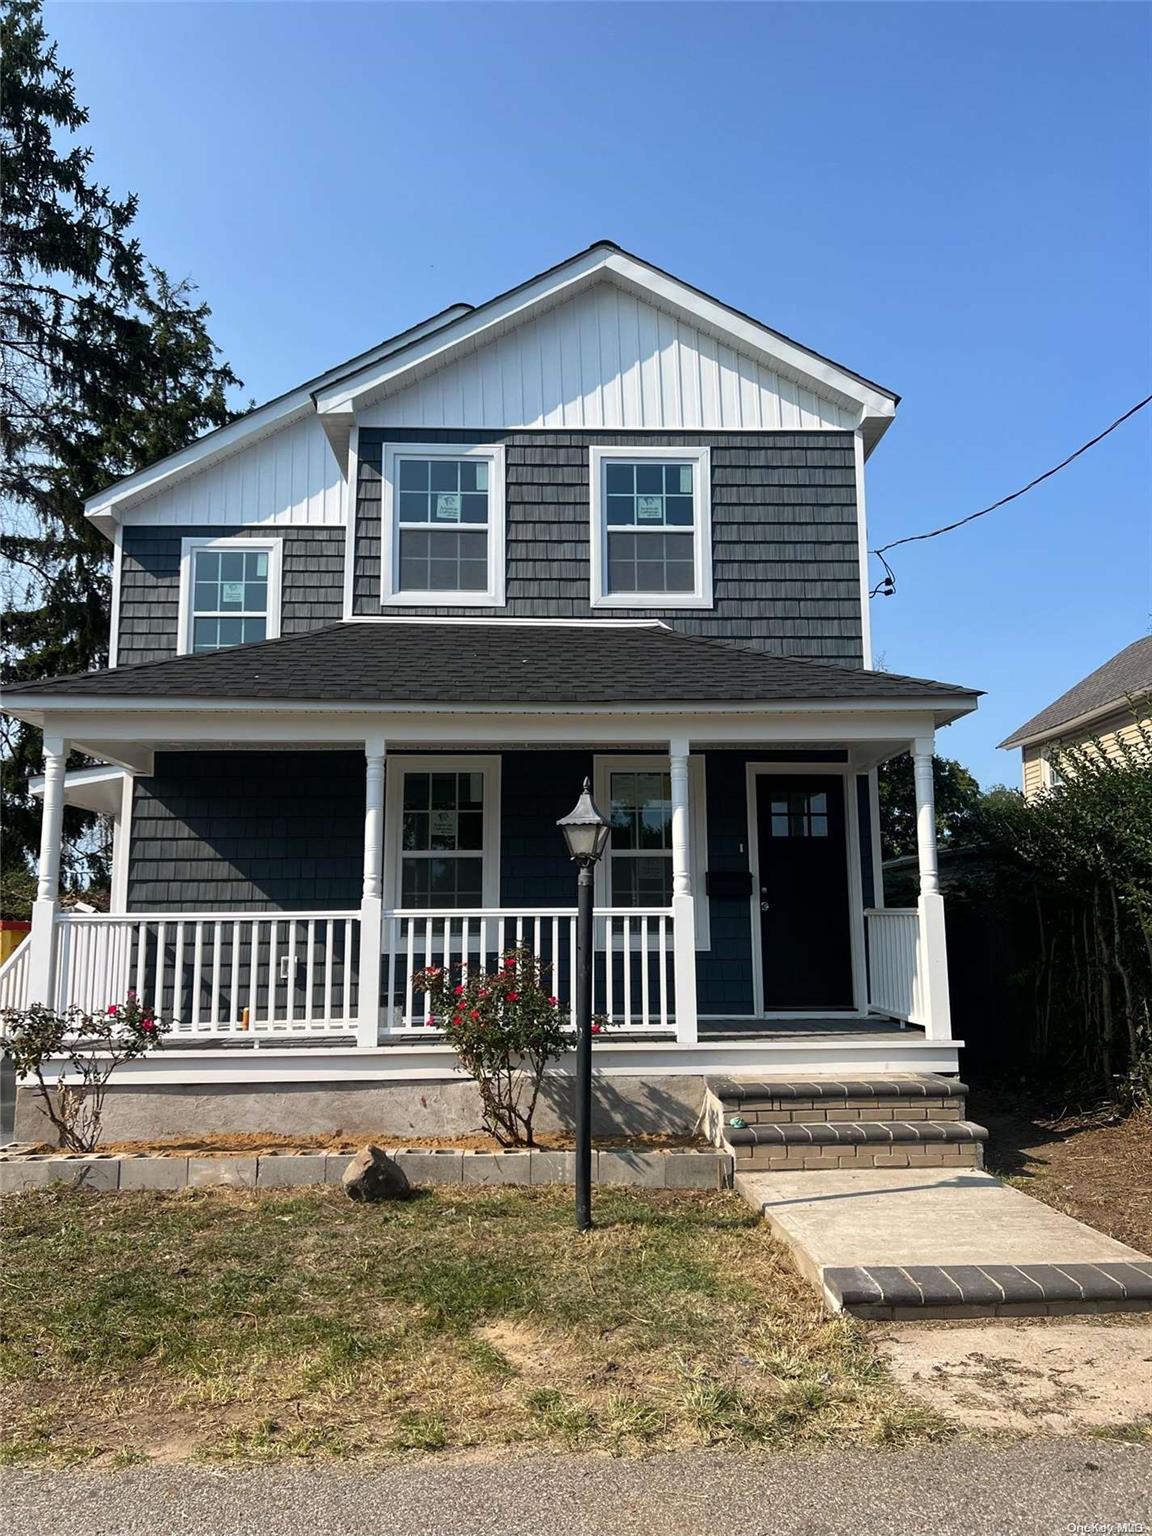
[739, 1027]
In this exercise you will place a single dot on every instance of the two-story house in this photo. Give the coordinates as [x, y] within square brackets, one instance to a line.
[368, 640]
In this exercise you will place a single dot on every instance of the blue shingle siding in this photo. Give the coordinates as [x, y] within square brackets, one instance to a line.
[248, 831]
[786, 573]
[283, 831]
[312, 583]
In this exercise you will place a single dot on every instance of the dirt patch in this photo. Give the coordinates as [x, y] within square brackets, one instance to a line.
[252, 1143]
[1061, 1379]
[1095, 1166]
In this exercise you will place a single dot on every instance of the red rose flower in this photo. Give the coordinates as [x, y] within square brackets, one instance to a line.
[458, 991]
[512, 997]
[475, 1014]
[431, 1022]
[113, 1011]
[149, 1026]
[596, 1029]
[553, 1002]
[510, 963]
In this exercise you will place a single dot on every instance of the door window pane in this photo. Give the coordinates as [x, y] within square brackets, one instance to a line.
[800, 813]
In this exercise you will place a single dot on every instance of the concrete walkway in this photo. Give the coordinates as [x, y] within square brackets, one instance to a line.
[933, 1242]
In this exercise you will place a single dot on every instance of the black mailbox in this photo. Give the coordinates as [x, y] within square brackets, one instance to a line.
[729, 884]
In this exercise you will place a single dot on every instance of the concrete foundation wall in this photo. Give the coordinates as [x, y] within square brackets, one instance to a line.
[664, 1105]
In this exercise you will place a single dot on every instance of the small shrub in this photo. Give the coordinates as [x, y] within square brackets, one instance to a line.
[88, 1046]
[505, 1027]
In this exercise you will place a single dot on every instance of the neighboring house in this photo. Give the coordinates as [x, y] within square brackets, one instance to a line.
[368, 640]
[1108, 706]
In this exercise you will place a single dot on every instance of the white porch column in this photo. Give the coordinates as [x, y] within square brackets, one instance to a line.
[372, 897]
[683, 903]
[933, 950]
[42, 939]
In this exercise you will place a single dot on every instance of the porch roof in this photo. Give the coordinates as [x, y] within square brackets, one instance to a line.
[499, 662]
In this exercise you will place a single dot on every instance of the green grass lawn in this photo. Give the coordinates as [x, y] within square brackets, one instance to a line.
[219, 1324]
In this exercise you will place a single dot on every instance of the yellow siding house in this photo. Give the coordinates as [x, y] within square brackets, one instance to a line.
[1107, 706]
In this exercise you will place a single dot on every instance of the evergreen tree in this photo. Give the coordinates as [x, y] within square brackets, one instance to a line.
[105, 366]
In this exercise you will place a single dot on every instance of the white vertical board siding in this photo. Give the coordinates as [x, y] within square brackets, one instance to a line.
[607, 359]
[290, 477]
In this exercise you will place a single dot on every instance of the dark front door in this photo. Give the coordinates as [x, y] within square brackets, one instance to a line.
[803, 896]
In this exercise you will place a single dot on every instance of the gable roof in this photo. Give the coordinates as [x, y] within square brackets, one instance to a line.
[334, 395]
[503, 662]
[338, 401]
[1128, 673]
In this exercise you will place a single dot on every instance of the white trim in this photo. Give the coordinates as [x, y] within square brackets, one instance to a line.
[117, 581]
[351, 492]
[122, 846]
[603, 765]
[419, 1061]
[877, 850]
[862, 543]
[701, 594]
[273, 545]
[493, 596]
[398, 765]
[503, 313]
[843, 771]
[506, 623]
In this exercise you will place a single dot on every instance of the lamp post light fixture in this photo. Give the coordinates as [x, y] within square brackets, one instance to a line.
[586, 833]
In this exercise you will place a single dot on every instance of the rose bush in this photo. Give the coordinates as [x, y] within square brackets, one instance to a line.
[505, 1026]
[88, 1047]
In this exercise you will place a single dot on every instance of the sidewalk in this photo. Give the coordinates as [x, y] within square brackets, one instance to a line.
[1033, 1488]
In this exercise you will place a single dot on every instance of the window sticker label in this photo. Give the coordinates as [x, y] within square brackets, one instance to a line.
[649, 509]
[232, 591]
[448, 506]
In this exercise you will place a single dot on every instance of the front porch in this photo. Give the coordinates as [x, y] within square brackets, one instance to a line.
[734, 862]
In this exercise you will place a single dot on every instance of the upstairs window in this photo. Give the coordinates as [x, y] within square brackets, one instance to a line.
[229, 593]
[444, 514]
[651, 528]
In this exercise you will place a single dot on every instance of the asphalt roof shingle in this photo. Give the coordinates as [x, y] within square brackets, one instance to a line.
[498, 663]
[1128, 673]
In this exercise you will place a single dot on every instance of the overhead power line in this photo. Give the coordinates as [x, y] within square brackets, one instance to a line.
[887, 585]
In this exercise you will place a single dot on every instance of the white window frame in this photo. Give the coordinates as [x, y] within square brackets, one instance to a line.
[1051, 776]
[396, 767]
[273, 547]
[390, 595]
[701, 594]
[602, 769]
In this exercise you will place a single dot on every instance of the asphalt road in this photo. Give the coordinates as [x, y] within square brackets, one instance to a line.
[1090, 1487]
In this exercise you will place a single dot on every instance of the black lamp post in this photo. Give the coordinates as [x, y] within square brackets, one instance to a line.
[586, 833]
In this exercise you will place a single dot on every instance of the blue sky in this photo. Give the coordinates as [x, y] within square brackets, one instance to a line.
[953, 200]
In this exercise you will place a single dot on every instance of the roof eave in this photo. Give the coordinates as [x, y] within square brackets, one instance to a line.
[1025, 737]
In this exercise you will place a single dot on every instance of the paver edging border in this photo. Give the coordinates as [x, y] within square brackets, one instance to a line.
[678, 1168]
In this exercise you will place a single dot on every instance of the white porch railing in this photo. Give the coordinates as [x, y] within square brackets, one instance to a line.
[896, 981]
[215, 973]
[633, 982]
[14, 978]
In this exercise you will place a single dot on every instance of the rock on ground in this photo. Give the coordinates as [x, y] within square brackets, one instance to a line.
[373, 1175]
